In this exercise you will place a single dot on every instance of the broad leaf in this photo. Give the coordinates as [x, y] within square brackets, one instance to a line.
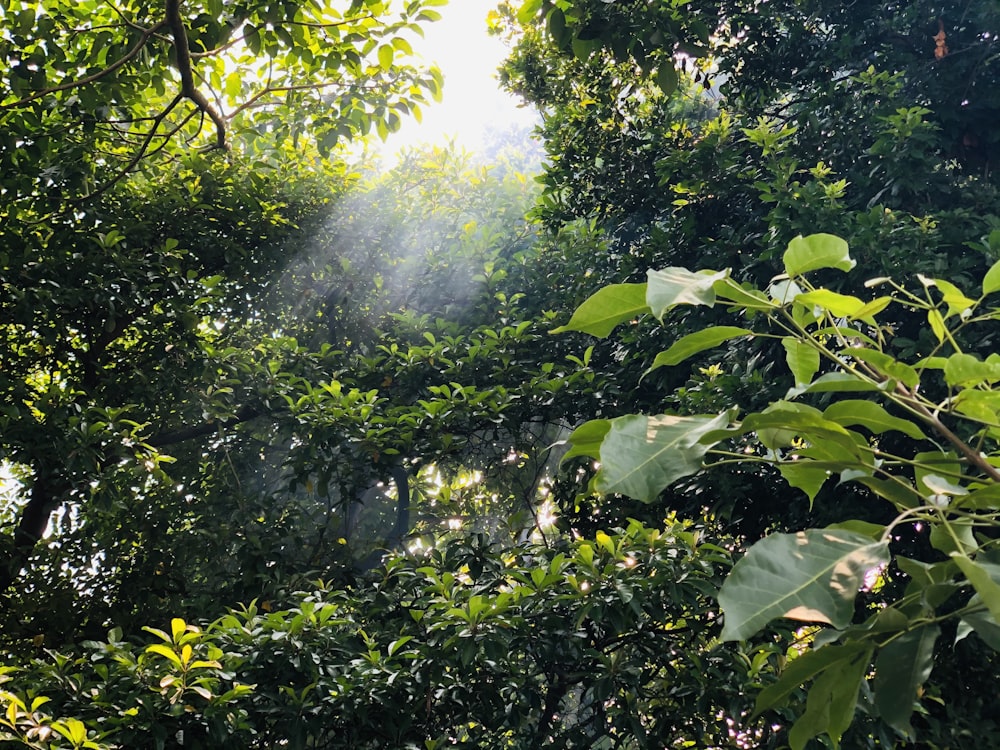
[902, 666]
[643, 455]
[678, 286]
[813, 576]
[872, 417]
[802, 359]
[982, 624]
[606, 308]
[831, 702]
[814, 252]
[965, 370]
[697, 342]
[803, 668]
[983, 577]
[751, 299]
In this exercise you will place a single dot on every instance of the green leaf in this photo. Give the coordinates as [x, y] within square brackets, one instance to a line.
[802, 359]
[803, 668]
[528, 11]
[838, 305]
[666, 77]
[678, 286]
[587, 438]
[983, 577]
[159, 648]
[886, 365]
[801, 475]
[871, 416]
[902, 666]
[832, 701]
[606, 308]
[835, 382]
[693, 343]
[805, 254]
[965, 370]
[982, 624]
[957, 302]
[643, 455]
[751, 299]
[991, 281]
[813, 576]
[385, 55]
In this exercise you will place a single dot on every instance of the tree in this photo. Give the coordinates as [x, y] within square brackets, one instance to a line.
[91, 90]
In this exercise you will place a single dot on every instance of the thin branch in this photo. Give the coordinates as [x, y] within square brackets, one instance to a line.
[91, 78]
[140, 152]
[252, 101]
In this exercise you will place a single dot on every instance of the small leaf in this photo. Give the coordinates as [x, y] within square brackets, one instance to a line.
[177, 628]
[838, 305]
[902, 667]
[886, 365]
[805, 254]
[587, 438]
[809, 479]
[606, 308]
[678, 286]
[693, 343]
[643, 455]
[813, 576]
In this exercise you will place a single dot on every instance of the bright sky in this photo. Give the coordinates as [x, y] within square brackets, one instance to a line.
[468, 57]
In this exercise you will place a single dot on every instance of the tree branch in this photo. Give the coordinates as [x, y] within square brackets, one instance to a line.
[188, 87]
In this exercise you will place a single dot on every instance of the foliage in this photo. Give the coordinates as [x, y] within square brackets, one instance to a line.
[471, 646]
[945, 486]
[92, 91]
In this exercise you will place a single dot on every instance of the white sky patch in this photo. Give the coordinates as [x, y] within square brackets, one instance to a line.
[473, 103]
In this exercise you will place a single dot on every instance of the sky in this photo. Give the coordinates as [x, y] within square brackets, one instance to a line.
[468, 57]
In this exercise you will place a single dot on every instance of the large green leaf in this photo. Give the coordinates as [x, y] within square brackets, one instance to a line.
[886, 365]
[816, 251]
[870, 416]
[982, 624]
[966, 370]
[983, 577]
[832, 700]
[803, 668]
[813, 576]
[678, 286]
[802, 359]
[643, 455]
[693, 343]
[902, 666]
[606, 308]
[835, 382]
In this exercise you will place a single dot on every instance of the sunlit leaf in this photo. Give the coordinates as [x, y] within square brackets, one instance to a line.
[813, 576]
[606, 308]
[678, 286]
[871, 416]
[805, 254]
[641, 456]
[699, 341]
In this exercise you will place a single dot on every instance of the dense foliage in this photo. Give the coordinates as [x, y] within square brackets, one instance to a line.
[291, 455]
